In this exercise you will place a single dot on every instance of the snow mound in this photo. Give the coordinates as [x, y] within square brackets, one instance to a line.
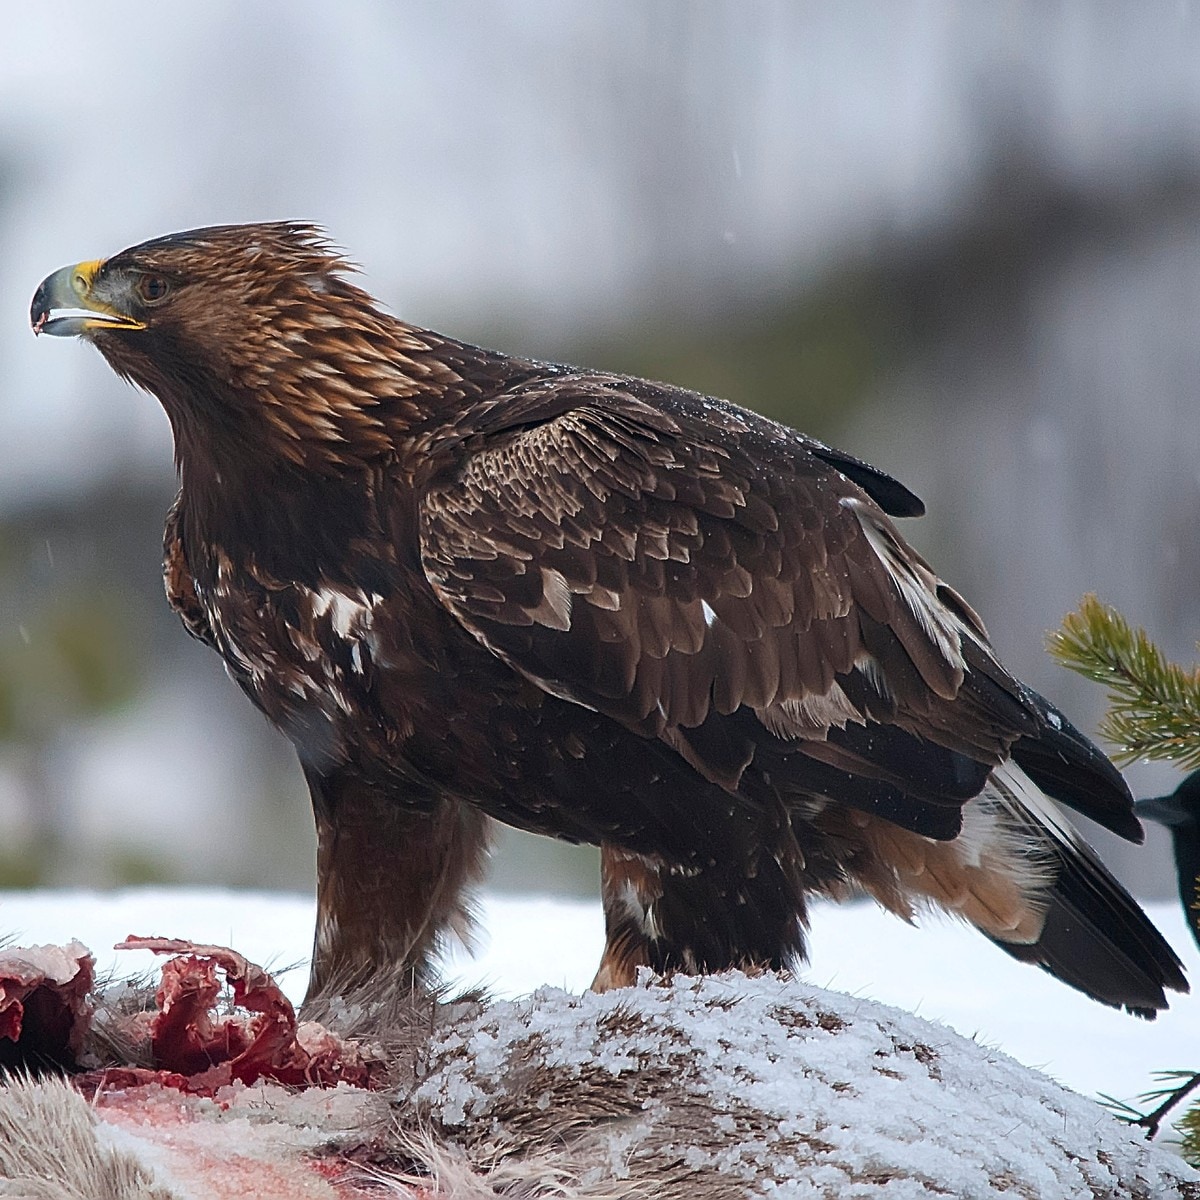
[737, 1085]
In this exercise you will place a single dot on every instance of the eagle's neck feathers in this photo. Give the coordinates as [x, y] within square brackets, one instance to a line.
[286, 438]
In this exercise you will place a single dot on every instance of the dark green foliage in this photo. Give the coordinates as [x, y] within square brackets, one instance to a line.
[71, 657]
[1189, 1126]
[1154, 705]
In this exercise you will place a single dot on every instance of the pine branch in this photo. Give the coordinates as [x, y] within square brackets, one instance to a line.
[1177, 1086]
[1154, 705]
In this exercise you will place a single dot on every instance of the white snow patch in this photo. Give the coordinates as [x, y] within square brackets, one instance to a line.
[793, 1091]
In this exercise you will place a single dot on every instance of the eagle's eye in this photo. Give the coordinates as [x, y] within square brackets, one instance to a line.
[153, 288]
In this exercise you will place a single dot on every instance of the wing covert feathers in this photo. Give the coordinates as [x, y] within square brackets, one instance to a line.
[662, 574]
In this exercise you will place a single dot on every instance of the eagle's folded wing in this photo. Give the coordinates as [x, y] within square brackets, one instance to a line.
[637, 559]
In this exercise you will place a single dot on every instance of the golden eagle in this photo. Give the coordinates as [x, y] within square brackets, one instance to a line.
[467, 585]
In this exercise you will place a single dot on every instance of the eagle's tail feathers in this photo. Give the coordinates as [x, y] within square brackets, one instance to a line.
[1093, 935]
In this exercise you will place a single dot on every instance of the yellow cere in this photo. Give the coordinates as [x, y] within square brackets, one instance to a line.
[83, 274]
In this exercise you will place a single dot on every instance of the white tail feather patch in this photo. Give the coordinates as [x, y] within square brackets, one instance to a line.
[1022, 797]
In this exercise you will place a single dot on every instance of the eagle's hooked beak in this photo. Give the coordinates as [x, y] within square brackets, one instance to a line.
[65, 305]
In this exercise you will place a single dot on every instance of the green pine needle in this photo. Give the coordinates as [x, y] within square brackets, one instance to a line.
[1189, 1128]
[1154, 705]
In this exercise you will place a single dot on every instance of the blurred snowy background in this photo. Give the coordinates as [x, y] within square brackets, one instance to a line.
[960, 241]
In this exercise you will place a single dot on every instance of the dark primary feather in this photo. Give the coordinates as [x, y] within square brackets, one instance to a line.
[598, 608]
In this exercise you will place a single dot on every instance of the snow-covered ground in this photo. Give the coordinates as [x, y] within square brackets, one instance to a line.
[942, 971]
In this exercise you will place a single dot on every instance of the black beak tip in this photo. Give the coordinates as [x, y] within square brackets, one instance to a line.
[39, 310]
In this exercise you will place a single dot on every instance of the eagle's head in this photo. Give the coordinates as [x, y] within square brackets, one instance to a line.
[251, 337]
[210, 299]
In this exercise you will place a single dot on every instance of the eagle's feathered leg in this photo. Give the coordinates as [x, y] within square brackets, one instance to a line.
[392, 880]
[747, 912]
